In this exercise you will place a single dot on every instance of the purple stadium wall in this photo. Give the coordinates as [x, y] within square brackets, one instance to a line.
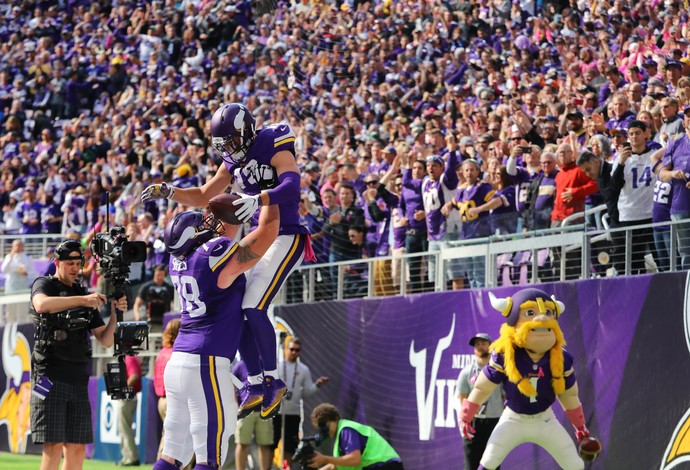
[394, 361]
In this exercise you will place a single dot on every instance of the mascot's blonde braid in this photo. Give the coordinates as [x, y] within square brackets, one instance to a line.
[556, 362]
[506, 344]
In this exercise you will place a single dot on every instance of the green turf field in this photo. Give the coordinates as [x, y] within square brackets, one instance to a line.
[32, 462]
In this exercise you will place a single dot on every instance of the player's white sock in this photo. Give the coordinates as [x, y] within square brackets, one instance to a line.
[255, 379]
[271, 373]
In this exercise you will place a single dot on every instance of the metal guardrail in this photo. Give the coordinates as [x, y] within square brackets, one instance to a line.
[35, 246]
[574, 254]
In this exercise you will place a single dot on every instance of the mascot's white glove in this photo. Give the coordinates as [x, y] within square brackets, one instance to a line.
[467, 414]
[248, 206]
[157, 191]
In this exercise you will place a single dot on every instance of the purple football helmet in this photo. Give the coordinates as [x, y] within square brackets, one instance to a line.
[188, 230]
[234, 129]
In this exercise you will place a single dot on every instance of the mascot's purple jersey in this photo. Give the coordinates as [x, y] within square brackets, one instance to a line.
[538, 373]
[256, 172]
[211, 316]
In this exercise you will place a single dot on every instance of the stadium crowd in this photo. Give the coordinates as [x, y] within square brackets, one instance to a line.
[417, 123]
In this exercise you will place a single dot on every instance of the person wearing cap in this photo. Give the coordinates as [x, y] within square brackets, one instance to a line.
[651, 68]
[438, 188]
[312, 178]
[675, 169]
[60, 409]
[672, 126]
[673, 73]
[487, 418]
[332, 180]
[575, 123]
[186, 177]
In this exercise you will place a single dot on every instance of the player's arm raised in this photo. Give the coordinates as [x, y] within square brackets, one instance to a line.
[195, 197]
[252, 247]
[287, 190]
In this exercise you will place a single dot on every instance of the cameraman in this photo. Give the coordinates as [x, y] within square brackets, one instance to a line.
[60, 408]
[355, 445]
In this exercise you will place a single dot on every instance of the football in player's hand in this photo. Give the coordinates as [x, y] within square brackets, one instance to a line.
[590, 447]
[223, 208]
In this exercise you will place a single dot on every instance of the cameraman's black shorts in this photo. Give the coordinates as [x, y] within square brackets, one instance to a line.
[64, 415]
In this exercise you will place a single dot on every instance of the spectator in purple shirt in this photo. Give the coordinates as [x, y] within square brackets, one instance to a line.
[30, 213]
[475, 224]
[437, 189]
[622, 115]
[416, 233]
[676, 170]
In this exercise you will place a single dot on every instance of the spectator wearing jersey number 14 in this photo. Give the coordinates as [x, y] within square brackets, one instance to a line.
[676, 170]
[633, 174]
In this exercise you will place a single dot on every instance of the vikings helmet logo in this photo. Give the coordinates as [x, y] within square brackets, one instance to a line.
[14, 404]
[678, 450]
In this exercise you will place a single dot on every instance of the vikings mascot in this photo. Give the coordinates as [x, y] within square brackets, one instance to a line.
[530, 362]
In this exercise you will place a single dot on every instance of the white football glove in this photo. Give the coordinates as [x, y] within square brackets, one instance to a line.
[248, 206]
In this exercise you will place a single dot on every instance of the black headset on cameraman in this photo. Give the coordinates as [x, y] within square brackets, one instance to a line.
[65, 248]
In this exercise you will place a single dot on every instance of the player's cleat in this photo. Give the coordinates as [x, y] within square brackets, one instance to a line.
[274, 391]
[250, 398]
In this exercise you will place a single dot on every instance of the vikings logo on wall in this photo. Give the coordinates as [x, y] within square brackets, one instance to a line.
[678, 450]
[14, 404]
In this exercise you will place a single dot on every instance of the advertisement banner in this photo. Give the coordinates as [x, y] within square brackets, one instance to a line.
[393, 364]
[106, 428]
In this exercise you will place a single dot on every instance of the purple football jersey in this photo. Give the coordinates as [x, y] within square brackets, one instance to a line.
[523, 180]
[436, 194]
[211, 316]
[504, 218]
[539, 373]
[547, 192]
[256, 172]
[661, 207]
[412, 195]
[469, 196]
[677, 155]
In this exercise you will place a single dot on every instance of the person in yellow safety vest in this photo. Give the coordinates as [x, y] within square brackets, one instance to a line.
[355, 446]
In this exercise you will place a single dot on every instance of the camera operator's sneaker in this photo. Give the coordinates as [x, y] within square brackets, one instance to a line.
[274, 391]
[249, 398]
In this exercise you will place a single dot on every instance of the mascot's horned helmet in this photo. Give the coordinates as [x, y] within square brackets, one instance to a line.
[510, 306]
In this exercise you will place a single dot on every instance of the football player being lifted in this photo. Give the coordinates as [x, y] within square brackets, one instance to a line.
[535, 370]
[264, 166]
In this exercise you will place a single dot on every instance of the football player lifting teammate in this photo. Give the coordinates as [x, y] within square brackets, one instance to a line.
[262, 163]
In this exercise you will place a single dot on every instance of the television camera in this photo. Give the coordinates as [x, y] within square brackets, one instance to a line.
[115, 254]
[305, 451]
